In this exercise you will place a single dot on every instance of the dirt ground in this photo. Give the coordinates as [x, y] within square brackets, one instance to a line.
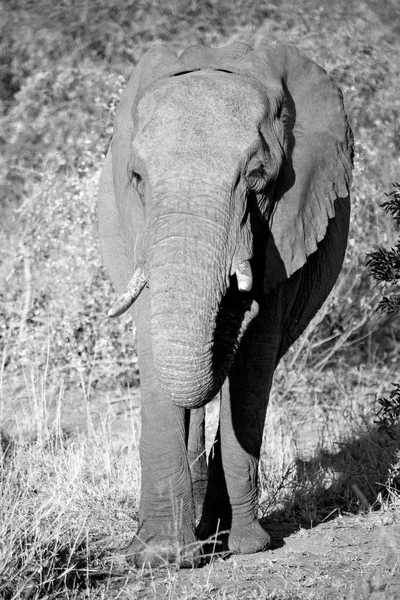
[349, 557]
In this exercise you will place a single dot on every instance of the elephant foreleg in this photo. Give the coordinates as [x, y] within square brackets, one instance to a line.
[166, 512]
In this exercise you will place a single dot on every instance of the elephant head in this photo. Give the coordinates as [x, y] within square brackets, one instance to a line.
[221, 178]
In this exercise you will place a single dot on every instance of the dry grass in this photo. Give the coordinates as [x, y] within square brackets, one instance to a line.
[68, 504]
[69, 500]
[69, 470]
[323, 452]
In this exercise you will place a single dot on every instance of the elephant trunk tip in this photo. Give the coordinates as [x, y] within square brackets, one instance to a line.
[189, 401]
[186, 386]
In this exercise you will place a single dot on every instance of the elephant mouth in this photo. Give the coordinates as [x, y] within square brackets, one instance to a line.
[237, 310]
[193, 346]
[139, 279]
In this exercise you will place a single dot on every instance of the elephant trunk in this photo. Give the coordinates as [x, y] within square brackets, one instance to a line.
[188, 276]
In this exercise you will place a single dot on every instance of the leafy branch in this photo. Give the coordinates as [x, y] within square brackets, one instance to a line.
[384, 266]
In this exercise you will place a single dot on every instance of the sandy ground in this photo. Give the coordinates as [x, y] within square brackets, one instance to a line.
[346, 557]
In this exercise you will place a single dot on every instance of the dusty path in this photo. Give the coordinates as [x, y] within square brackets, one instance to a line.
[351, 557]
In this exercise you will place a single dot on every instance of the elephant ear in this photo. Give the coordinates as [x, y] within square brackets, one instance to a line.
[316, 176]
[120, 210]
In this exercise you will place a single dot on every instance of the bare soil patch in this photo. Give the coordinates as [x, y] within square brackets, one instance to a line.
[348, 556]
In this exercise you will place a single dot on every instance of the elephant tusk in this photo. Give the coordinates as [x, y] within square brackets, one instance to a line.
[133, 289]
[244, 276]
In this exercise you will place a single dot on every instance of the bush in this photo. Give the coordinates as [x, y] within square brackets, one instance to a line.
[62, 64]
[384, 266]
[54, 315]
[61, 121]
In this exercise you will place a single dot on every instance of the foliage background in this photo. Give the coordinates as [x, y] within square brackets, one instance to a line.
[69, 465]
[62, 69]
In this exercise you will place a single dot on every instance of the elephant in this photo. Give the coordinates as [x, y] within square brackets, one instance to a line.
[223, 211]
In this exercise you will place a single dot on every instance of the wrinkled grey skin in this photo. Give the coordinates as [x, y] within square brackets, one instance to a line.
[223, 211]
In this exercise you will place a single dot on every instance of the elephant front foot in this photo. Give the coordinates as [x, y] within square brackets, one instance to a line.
[248, 539]
[151, 549]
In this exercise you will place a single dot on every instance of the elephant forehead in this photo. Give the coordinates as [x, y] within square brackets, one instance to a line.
[200, 119]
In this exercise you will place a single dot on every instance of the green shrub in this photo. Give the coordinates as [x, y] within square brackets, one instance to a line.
[384, 266]
[54, 315]
[62, 64]
[60, 121]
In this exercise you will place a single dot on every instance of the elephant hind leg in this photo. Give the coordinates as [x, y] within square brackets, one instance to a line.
[197, 457]
[232, 500]
[216, 518]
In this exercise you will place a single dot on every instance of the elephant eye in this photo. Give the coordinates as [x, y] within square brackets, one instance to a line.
[257, 177]
[137, 181]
